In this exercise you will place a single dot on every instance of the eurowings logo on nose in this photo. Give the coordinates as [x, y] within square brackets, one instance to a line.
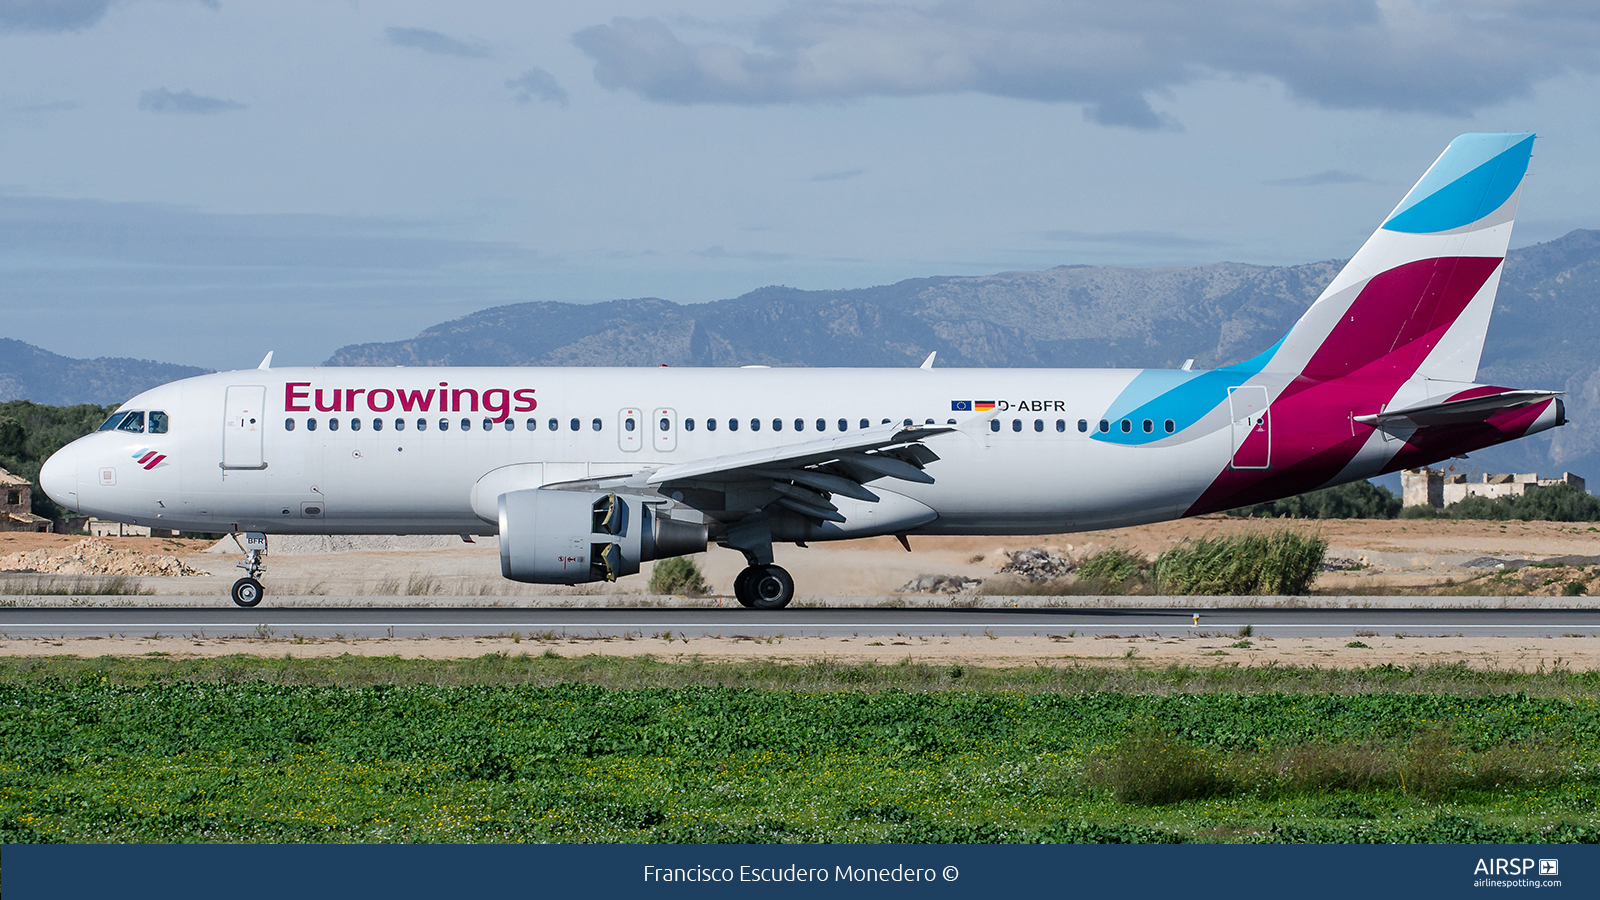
[149, 458]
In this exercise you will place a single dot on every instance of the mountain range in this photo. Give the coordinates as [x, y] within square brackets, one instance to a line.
[1544, 333]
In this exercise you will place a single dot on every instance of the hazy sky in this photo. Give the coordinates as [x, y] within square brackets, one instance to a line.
[200, 182]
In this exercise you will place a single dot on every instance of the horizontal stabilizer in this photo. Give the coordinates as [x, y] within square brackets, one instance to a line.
[1456, 412]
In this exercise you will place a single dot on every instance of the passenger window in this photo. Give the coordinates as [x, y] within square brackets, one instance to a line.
[311, 424]
[158, 422]
[444, 424]
[133, 422]
[1061, 425]
[1016, 424]
[510, 425]
[333, 424]
[594, 424]
[466, 424]
[666, 424]
[573, 425]
[822, 425]
[927, 422]
[884, 422]
[1126, 426]
[355, 424]
[399, 424]
[628, 424]
[733, 424]
[1149, 426]
[864, 424]
[532, 424]
[1083, 425]
[1170, 426]
[711, 424]
[1038, 425]
[488, 424]
[755, 424]
[994, 424]
[844, 425]
[288, 424]
[907, 423]
[1104, 426]
[800, 424]
[377, 424]
[688, 424]
[555, 424]
[112, 422]
[777, 424]
[422, 424]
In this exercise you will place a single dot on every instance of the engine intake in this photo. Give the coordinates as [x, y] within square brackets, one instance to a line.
[571, 537]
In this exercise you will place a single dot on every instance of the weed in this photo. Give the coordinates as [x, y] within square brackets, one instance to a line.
[1358, 645]
[1151, 767]
[1283, 563]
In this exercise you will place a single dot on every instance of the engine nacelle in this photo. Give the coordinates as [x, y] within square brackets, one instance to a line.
[571, 537]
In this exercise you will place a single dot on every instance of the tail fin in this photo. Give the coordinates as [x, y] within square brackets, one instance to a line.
[1416, 298]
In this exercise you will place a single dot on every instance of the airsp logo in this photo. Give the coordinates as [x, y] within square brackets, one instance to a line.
[1500, 866]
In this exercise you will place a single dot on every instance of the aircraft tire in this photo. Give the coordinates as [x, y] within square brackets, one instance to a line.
[741, 586]
[247, 592]
[771, 588]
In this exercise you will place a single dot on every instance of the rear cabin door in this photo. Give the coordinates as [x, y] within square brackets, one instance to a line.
[242, 426]
[1252, 427]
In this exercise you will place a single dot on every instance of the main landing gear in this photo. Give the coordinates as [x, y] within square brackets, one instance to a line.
[763, 587]
[247, 591]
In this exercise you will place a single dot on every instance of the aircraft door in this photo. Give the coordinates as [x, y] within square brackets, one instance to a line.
[630, 429]
[1252, 427]
[665, 429]
[243, 423]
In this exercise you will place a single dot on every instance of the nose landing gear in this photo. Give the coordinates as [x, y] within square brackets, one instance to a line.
[247, 591]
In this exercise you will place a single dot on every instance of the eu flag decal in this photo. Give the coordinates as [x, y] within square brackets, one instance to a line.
[961, 406]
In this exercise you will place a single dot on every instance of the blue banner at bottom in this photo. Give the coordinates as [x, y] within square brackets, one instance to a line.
[308, 872]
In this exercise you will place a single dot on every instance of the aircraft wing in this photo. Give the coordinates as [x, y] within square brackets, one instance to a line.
[798, 476]
[1456, 412]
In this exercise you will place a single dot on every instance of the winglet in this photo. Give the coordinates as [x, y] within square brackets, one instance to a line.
[266, 361]
[928, 363]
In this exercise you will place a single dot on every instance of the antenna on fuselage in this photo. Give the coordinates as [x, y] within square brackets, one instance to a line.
[928, 363]
[266, 361]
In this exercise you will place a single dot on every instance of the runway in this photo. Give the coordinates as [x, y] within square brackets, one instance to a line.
[380, 622]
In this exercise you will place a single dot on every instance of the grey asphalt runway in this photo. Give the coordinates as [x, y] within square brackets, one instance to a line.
[376, 622]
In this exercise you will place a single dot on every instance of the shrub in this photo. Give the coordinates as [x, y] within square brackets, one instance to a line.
[1111, 570]
[1356, 500]
[1151, 767]
[1284, 562]
[1555, 503]
[678, 575]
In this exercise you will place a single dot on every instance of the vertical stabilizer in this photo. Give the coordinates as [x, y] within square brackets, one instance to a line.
[1415, 299]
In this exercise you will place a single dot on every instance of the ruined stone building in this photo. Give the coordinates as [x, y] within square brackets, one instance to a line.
[1431, 487]
[16, 505]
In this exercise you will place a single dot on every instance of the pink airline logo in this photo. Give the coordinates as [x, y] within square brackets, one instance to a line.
[148, 458]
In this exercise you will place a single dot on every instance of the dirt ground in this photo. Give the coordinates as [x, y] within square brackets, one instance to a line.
[1567, 653]
[1391, 554]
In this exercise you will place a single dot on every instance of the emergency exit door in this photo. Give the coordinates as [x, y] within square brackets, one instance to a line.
[243, 422]
[1252, 427]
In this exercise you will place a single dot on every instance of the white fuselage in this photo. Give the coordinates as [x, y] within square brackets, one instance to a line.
[1039, 473]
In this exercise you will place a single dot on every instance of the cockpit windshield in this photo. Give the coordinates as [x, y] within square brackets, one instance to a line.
[133, 422]
[158, 422]
[113, 422]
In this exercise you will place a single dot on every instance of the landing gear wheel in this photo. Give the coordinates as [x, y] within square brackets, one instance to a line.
[770, 587]
[741, 586]
[247, 592]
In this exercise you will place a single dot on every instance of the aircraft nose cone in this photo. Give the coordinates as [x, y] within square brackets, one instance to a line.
[59, 477]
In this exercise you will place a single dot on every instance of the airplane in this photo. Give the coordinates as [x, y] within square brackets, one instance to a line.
[585, 473]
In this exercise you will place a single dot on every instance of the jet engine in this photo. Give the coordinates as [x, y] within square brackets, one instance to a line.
[571, 537]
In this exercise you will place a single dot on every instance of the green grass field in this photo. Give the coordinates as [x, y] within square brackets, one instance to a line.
[551, 749]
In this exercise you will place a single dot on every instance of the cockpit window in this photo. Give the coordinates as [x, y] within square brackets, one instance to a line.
[113, 422]
[158, 422]
[133, 422]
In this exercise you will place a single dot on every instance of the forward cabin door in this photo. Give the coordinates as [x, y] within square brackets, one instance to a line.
[242, 427]
[1252, 427]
